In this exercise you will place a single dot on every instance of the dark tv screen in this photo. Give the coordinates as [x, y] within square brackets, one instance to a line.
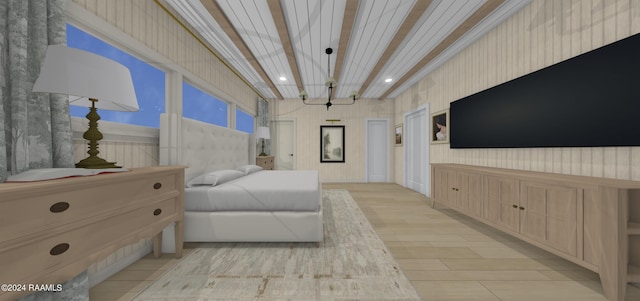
[589, 100]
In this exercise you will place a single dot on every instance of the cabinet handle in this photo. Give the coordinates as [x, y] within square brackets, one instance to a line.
[157, 186]
[157, 212]
[59, 207]
[521, 208]
[59, 249]
[453, 189]
[515, 206]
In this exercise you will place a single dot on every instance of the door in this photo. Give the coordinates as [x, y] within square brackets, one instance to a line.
[416, 151]
[283, 143]
[377, 150]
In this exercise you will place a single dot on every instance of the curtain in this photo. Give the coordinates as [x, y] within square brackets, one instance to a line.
[35, 128]
[263, 120]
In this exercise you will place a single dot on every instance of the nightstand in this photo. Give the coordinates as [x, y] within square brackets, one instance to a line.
[266, 162]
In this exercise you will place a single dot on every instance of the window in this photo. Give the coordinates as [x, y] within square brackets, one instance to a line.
[244, 121]
[199, 105]
[148, 82]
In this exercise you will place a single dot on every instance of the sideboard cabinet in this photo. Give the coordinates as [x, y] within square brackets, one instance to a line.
[52, 230]
[593, 222]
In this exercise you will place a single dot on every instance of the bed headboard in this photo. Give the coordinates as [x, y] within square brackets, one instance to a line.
[201, 146]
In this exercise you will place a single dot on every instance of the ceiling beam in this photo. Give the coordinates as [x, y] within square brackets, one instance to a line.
[472, 21]
[416, 12]
[283, 32]
[216, 12]
[350, 11]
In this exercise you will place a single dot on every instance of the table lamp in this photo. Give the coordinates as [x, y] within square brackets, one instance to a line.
[91, 81]
[263, 132]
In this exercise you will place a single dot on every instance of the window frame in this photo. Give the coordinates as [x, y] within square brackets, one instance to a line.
[253, 117]
[174, 76]
[138, 88]
[210, 93]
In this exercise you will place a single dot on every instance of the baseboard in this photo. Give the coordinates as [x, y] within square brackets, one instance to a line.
[119, 265]
[329, 181]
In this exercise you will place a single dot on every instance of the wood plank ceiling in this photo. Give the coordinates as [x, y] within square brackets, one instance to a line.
[380, 47]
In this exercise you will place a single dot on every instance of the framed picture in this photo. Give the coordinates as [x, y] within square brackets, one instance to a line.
[332, 144]
[439, 127]
[398, 134]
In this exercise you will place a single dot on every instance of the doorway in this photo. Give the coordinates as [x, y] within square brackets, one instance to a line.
[377, 153]
[283, 143]
[416, 151]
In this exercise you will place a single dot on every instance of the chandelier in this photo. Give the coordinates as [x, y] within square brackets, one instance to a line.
[330, 84]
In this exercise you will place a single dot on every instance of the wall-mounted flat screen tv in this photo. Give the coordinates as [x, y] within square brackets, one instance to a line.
[589, 100]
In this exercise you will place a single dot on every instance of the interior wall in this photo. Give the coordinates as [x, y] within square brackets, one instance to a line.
[309, 118]
[148, 23]
[541, 34]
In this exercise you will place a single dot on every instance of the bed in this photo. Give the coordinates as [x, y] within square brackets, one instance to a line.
[249, 204]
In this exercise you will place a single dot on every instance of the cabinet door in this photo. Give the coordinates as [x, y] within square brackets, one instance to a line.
[548, 214]
[442, 186]
[438, 185]
[501, 195]
[452, 188]
[469, 193]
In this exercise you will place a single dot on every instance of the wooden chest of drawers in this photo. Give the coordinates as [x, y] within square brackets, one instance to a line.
[266, 162]
[52, 230]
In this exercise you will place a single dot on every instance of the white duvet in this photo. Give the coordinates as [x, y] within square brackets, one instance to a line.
[268, 190]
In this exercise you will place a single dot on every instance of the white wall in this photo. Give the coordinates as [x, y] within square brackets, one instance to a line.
[543, 33]
[309, 118]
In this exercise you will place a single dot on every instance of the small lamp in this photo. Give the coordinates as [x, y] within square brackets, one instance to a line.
[91, 81]
[263, 132]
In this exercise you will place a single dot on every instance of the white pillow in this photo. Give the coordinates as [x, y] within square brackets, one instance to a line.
[249, 169]
[215, 177]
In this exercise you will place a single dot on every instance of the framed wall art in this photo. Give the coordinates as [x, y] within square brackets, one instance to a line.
[332, 144]
[398, 134]
[439, 127]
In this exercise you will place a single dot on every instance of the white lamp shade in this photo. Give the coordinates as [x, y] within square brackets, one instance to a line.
[263, 132]
[82, 75]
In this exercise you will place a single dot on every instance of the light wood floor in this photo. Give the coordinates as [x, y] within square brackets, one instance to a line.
[446, 255]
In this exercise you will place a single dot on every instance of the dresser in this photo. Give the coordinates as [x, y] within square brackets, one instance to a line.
[266, 162]
[593, 222]
[52, 230]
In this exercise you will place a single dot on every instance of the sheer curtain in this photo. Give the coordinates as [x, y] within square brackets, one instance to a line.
[35, 128]
[263, 120]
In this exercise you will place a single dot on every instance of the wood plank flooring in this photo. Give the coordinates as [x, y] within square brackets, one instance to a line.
[446, 255]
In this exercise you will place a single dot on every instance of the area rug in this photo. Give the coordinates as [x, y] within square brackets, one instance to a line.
[352, 263]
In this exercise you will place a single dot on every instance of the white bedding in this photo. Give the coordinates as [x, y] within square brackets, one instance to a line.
[204, 148]
[268, 190]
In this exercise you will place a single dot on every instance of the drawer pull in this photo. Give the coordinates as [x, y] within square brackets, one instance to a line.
[157, 186]
[59, 249]
[157, 212]
[515, 206]
[521, 208]
[59, 207]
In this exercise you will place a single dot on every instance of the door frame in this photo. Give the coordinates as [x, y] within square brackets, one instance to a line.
[272, 125]
[387, 143]
[427, 170]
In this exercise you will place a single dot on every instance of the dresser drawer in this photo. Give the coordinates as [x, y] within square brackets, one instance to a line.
[42, 253]
[40, 211]
[265, 162]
